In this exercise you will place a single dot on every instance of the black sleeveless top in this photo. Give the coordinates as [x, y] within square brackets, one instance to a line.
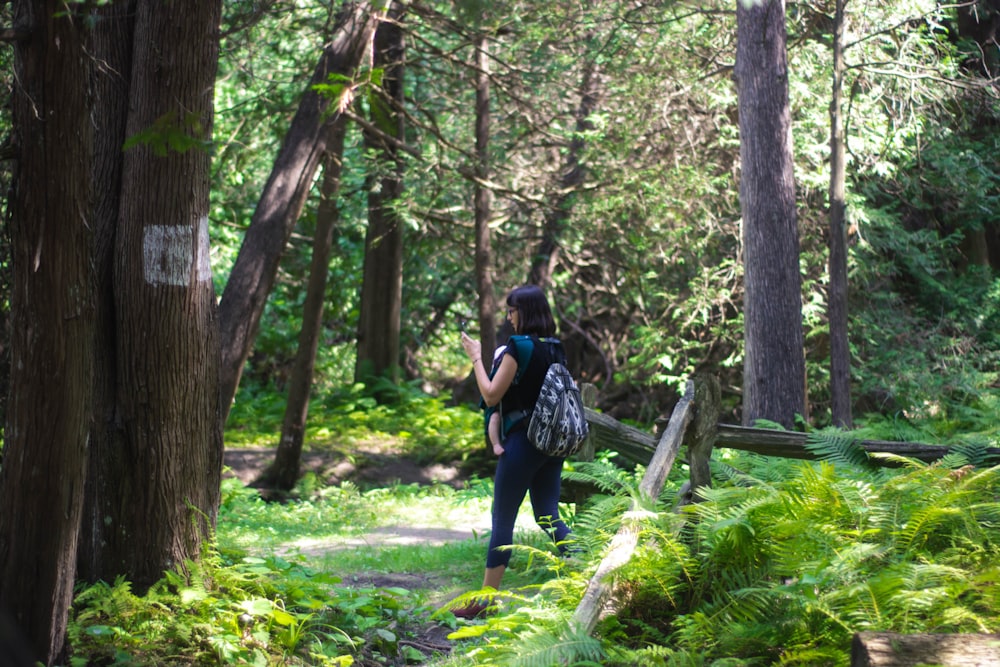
[533, 356]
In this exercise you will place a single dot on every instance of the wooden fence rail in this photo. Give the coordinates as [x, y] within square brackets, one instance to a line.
[637, 446]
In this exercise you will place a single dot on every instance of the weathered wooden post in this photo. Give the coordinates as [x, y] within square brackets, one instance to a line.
[700, 438]
[589, 394]
[599, 590]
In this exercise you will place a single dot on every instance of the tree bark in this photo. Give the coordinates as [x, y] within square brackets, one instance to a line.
[774, 362]
[840, 351]
[284, 471]
[52, 333]
[111, 42]
[167, 331]
[382, 283]
[253, 274]
[484, 200]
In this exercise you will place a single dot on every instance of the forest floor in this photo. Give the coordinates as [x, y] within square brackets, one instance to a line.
[379, 465]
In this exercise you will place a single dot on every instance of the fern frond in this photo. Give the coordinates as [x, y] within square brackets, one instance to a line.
[838, 448]
[810, 655]
[985, 480]
[602, 474]
[974, 453]
[923, 521]
[598, 521]
[733, 475]
[655, 656]
[898, 460]
[544, 648]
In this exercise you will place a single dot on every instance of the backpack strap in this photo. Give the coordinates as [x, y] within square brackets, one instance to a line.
[555, 349]
[524, 346]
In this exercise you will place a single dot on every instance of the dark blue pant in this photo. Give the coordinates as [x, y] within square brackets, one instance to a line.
[523, 469]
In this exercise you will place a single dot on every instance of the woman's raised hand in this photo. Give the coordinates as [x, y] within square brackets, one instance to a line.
[473, 347]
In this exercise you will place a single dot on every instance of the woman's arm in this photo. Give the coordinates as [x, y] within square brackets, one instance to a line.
[491, 389]
[493, 431]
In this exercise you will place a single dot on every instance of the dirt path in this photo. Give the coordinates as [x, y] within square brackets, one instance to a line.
[380, 468]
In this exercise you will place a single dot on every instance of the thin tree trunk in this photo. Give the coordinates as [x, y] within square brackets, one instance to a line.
[484, 200]
[547, 252]
[52, 333]
[840, 352]
[774, 362]
[284, 471]
[284, 195]
[167, 335]
[382, 282]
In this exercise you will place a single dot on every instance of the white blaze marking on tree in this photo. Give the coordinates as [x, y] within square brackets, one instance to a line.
[169, 252]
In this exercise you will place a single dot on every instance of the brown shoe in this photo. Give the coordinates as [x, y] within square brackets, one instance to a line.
[472, 610]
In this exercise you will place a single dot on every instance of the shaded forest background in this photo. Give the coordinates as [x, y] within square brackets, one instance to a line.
[614, 162]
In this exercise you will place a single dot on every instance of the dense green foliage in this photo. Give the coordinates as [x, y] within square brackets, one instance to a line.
[781, 564]
[647, 283]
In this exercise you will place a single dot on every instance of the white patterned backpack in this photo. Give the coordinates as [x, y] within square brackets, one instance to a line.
[558, 424]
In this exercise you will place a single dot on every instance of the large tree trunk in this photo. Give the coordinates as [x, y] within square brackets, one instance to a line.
[840, 351]
[547, 251]
[774, 362]
[167, 333]
[52, 333]
[284, 471]
[483, 200]
[382, 283]
[111, 41]
[253, 274]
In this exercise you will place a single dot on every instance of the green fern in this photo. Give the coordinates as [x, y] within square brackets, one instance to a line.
[603, 475]
[972, 453]
[839, 448]
[654, 656]
[543, 648]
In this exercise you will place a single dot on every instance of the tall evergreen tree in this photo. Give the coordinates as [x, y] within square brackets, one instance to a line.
[113, 306]
[774, 363]
[284, 471]
[167, 342]
[840, 351]
[382, 283]
[52, 324]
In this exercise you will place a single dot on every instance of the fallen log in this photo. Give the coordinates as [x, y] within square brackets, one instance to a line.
[792, 445]
[890, 649]
[637, 446]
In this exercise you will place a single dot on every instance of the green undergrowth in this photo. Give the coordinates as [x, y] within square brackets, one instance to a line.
[424, 429]
[780, 564]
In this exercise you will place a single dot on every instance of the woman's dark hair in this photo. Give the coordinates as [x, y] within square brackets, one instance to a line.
[533, 312]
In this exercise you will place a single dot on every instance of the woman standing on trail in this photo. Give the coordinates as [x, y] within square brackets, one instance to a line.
[521, 469]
